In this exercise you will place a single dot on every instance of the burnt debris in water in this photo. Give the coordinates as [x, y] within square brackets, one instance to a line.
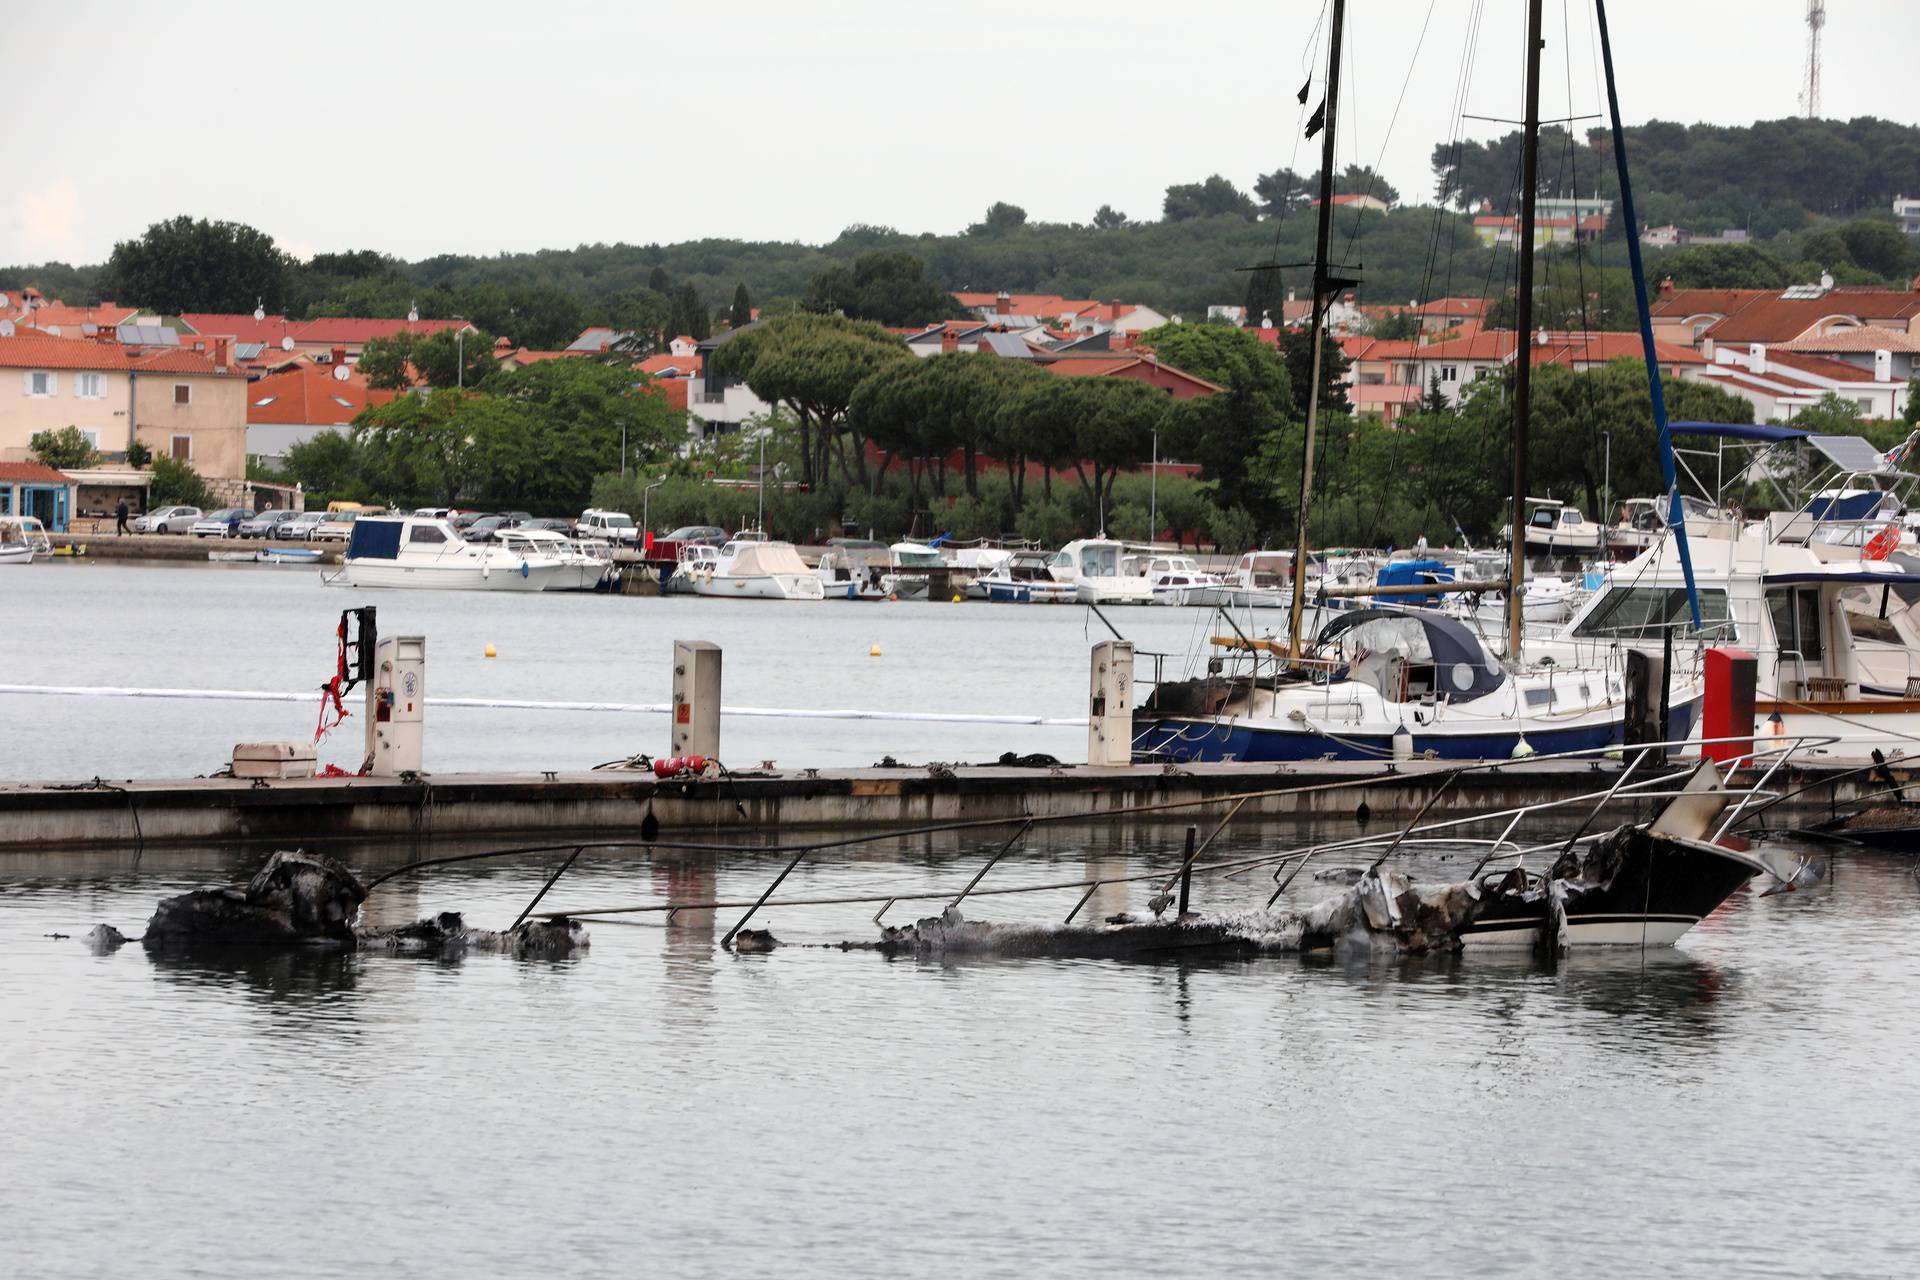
[301, 899]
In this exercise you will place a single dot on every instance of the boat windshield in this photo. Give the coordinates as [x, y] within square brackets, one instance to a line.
[1100, 561]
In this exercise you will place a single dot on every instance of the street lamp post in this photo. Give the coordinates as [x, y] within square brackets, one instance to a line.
[1606, 485]
[460, 357]
[646, 500]
[763, 479]
[1153, 490]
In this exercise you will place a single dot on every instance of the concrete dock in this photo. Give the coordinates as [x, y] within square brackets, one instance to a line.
[610, 804]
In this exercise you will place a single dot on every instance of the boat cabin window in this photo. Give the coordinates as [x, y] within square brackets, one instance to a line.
[424, 533]
[1643, 613]
[1796, 621]
[1545, 518]
[1570, 517]
[1100, 562]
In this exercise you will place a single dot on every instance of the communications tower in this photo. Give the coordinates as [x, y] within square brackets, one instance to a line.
[1810, 91]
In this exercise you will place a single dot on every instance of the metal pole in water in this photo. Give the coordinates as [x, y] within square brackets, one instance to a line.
[1186, 872]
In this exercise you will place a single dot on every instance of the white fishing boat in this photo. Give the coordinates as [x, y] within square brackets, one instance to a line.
[23, 539]
[1179, 580]
[909, 574]
[690, 561]
[585, 565]
[1261, 580]
[967, 565]
[847, 573]
[410, 551]
[755, 569]
[1024, 578]
[1092, 566]
[1556, 529]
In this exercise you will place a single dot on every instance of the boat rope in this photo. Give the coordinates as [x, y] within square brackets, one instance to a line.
[523, 704]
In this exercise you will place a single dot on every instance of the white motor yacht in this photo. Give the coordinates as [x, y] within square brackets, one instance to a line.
[755, 569]
[1558, 529]
[585, 564]
[1093, 567]
[1024, 578]
[410, 551]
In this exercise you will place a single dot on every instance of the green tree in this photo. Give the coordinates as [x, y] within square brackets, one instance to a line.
[1912, 414]
[387, 363]
[1283, 190]
[1362, 180]
[138, 455]
[812, 365]
[177, 483]
[1220, 431]
[1721, 266]
[191, 264]
[888, 287]
[450, 359]
[1831, 415]
[741, 314]
[327, 467]
[1108, 218]
[1001, 218]
[1209, 199]
[689, 315]
[660, 281]
[1296, 348]
[67, 447]
[1233, 531]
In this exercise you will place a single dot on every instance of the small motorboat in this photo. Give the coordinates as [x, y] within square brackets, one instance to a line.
[1024, 578]
[584, 565]
[846, 573]
[1092, 566]
[23, 539]
[755, 569]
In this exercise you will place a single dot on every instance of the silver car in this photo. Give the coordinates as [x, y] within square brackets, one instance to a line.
[167, 520]
[301, 526]
[266, 524]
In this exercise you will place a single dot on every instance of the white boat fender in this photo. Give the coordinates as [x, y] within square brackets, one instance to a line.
[1522, 749]
[1402, 743]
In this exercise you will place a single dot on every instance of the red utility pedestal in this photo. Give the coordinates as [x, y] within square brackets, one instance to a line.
[1727, 709]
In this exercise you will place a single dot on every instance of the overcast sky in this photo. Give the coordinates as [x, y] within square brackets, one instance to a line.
[482, 127]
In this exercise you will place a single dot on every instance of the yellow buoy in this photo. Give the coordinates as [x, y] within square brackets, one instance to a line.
[492, 652]
[956, 599]
[874, 652]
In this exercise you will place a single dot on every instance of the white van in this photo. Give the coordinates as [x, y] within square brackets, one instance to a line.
[608, 526]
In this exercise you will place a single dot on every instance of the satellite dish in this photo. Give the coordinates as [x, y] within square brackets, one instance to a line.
[342, 374]
[6, 328]
[53, 331]
[286, 343]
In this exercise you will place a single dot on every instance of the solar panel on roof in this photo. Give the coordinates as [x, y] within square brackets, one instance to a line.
[1850, 453]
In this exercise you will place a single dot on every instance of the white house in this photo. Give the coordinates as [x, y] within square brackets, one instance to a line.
[1781, 383]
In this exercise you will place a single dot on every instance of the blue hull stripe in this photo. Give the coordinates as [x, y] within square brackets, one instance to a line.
[1204, 741]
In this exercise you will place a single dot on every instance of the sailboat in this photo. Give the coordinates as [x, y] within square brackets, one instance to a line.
[1381, 682]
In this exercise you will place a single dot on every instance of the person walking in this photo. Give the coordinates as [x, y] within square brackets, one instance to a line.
[120, 517]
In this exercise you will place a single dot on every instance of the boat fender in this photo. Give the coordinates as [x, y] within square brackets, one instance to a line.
[526, 570]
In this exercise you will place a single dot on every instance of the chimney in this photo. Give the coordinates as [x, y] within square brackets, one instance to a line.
[1757, 357]
[1883, 366]
[1666, 286]
[1002, 304]
[221, 350]
[949, 340]
[1293, 295]
[339, 355]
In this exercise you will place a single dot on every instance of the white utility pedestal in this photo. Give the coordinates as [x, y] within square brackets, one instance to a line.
[1110, 711]
[397, 706]
[696, 699]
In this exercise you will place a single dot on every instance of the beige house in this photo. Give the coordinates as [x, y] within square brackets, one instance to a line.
[181, 404]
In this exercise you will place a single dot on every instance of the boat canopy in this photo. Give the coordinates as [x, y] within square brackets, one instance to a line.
[1739, 431]
[1463, 667]
[375, 539]
[761, 559]
[1858, 576]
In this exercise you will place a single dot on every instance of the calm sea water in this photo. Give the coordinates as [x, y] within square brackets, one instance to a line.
[1740, 1106]
[272, 628]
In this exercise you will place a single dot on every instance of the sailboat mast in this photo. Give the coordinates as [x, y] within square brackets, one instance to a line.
[1523, 339]
[1322, 287]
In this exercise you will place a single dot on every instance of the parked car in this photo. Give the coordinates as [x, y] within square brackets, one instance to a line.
[265, 524]
[224, 523]
[434, 513]
[608, 526]
[300, 525]
[711, 534]
[167, 520]
[483, 529]
[338, 525]
[553, 523]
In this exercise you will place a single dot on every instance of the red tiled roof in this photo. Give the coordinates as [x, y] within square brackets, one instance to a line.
[354, 329]
[525, 357]
[1599, 348]
[1489, 344]
[1866, 338]
[30, 472]
[63, 353]
[69, 319]
[1453, 307]
[1693, 302]
[308, 396]
[241, 328]
[674, 389]
[670, 366]
[1818, 366]
[1071, 365]
[1770, 318]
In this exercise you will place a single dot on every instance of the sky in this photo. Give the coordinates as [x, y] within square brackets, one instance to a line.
[484, 127]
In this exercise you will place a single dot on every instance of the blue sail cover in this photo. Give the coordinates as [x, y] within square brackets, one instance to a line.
[1738, 431]
[1409, 573]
